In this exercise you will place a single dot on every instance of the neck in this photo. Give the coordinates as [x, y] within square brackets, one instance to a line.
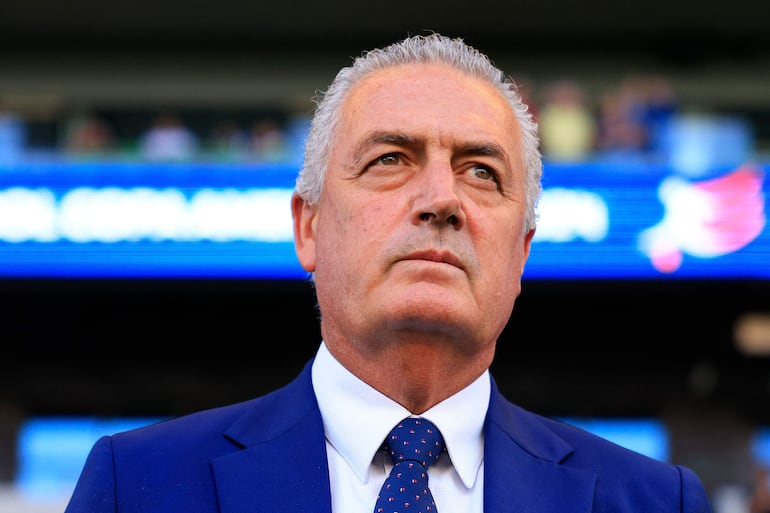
[416, 372]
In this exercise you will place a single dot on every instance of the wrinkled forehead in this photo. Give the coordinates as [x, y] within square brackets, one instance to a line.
[438, 75]
[428, 100]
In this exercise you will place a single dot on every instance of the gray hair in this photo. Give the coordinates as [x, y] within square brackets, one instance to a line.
[415, 49]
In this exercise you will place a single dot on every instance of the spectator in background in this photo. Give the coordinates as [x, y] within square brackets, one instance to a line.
[659, 108]
[13, 134]
[168, 140]
[634, 117]
[567, 122]
[621, 127]
[229, 141]
[88, 135]
[268, 141]
[759, 501]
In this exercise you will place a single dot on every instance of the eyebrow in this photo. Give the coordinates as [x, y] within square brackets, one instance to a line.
[381, 137]
[493, 150]
[485, 149]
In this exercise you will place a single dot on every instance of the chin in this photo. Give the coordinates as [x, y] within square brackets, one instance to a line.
[438, 318]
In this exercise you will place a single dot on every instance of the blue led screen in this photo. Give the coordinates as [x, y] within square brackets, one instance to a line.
[596, 220]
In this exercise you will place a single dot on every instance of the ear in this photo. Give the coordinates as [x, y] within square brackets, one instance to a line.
[304, 216]
[527, 246]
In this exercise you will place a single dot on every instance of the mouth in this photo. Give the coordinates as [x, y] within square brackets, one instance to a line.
[441, 257]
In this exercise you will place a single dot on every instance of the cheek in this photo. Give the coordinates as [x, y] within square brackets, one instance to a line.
[503, 257]
[365, 217]
[344, 235]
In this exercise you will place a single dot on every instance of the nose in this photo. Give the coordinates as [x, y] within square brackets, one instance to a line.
[436, 200]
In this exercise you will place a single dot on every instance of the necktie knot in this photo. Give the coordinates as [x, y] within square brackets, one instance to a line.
[415, 439]
[414, 444]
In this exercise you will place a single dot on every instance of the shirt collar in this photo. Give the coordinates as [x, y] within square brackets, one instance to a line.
[341, 396]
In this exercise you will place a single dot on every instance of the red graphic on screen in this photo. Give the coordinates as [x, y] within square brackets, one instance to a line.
[705, 219]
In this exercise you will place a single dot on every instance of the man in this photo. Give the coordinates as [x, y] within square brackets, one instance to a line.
[414, 212]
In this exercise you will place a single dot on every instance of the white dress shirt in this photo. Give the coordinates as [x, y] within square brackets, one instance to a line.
[357, 418]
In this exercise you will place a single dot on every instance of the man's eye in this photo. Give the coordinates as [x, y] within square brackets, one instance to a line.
[389, 159]
[483, 173]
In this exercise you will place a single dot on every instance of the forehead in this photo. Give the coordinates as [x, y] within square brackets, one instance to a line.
[428, 97]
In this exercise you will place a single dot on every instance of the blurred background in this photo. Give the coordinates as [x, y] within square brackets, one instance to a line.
[147, 156]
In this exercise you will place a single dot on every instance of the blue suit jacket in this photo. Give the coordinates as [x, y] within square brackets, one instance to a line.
[268, 455]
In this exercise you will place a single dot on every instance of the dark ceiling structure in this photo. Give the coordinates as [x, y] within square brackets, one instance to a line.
[680, 29]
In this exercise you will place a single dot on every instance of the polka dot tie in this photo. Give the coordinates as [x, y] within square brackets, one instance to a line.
[414, 444]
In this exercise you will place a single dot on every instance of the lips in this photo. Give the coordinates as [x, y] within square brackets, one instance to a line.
[431, 255]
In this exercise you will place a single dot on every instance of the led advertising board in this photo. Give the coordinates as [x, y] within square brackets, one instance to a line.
[207, 220]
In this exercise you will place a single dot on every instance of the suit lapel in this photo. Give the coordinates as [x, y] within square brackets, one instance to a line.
[286, 430]
[522, 470]
[522, 459]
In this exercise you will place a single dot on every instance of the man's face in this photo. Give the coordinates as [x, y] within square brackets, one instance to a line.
[419, 229]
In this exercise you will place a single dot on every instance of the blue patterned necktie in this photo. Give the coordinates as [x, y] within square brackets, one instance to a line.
[414, 444]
